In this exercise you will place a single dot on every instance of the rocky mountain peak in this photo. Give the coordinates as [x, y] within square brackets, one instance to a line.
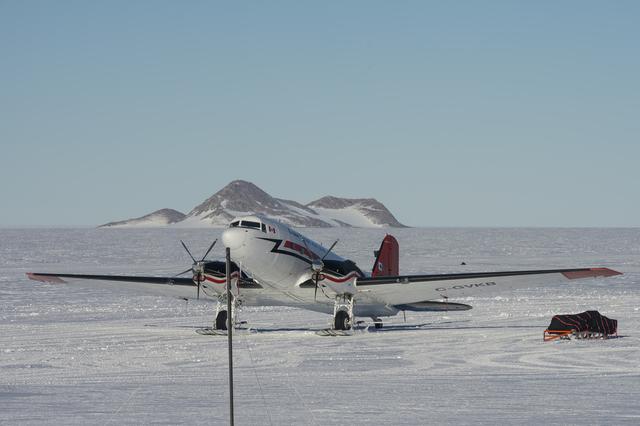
[240, 198]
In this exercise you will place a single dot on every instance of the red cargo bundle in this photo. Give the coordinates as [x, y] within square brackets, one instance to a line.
[589, 324]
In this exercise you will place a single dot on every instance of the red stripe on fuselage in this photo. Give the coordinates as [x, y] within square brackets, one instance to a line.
[300, 249]
[344, 279]
[222, 280]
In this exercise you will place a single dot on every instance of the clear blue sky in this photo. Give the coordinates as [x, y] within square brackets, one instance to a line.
[451, 113]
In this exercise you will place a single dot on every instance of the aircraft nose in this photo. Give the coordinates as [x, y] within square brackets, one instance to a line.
[234, 238]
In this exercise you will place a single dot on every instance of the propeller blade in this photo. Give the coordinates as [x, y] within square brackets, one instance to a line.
[182, 273]
[209, 249]
[330, 248]
[316, 276]
[190, 255]
[199, 282]
[315, 292]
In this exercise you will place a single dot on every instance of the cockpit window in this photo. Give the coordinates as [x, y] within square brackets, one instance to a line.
[250, 224]
[235, 224]
[264, 228]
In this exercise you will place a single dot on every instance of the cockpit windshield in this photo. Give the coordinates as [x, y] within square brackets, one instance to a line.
[248, 224]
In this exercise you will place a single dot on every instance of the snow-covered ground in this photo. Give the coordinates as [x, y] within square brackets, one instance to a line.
[71, 355]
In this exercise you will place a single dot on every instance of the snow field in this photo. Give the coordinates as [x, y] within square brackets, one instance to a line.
[71, 355]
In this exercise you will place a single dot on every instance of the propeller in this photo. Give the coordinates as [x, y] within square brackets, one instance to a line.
[317, 266]
[198, 265]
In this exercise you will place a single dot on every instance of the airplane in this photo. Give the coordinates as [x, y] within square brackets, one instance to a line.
[274, 265]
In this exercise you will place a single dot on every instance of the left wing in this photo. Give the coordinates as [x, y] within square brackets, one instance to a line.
[57, 278]
[409, 291]
[165, 286]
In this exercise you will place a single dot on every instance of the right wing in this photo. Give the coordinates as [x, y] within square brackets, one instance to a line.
[414, 291]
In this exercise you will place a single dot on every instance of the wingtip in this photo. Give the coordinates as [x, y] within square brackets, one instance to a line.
[44, 278]
[605, 272]
[591, 272]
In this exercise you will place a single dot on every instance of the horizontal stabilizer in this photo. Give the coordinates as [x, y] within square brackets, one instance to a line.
[430, 306]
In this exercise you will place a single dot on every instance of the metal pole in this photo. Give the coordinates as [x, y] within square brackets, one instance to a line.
[229, 334]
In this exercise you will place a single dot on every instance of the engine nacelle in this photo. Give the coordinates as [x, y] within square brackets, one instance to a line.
[215, 279]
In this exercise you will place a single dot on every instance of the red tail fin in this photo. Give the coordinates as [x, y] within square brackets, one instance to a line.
[387, 258]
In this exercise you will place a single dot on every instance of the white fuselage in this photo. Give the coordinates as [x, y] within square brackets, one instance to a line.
[279, 259]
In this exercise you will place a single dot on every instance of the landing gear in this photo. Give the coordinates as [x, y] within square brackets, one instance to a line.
[377, 322]
[343, 312]
[222, 317]
[342, 321]
[221, 321]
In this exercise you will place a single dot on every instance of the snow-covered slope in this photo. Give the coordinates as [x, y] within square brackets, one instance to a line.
[240, 198]
[161, 217]
[359, 212]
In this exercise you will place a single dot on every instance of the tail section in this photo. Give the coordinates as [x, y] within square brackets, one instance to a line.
[387, 258]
